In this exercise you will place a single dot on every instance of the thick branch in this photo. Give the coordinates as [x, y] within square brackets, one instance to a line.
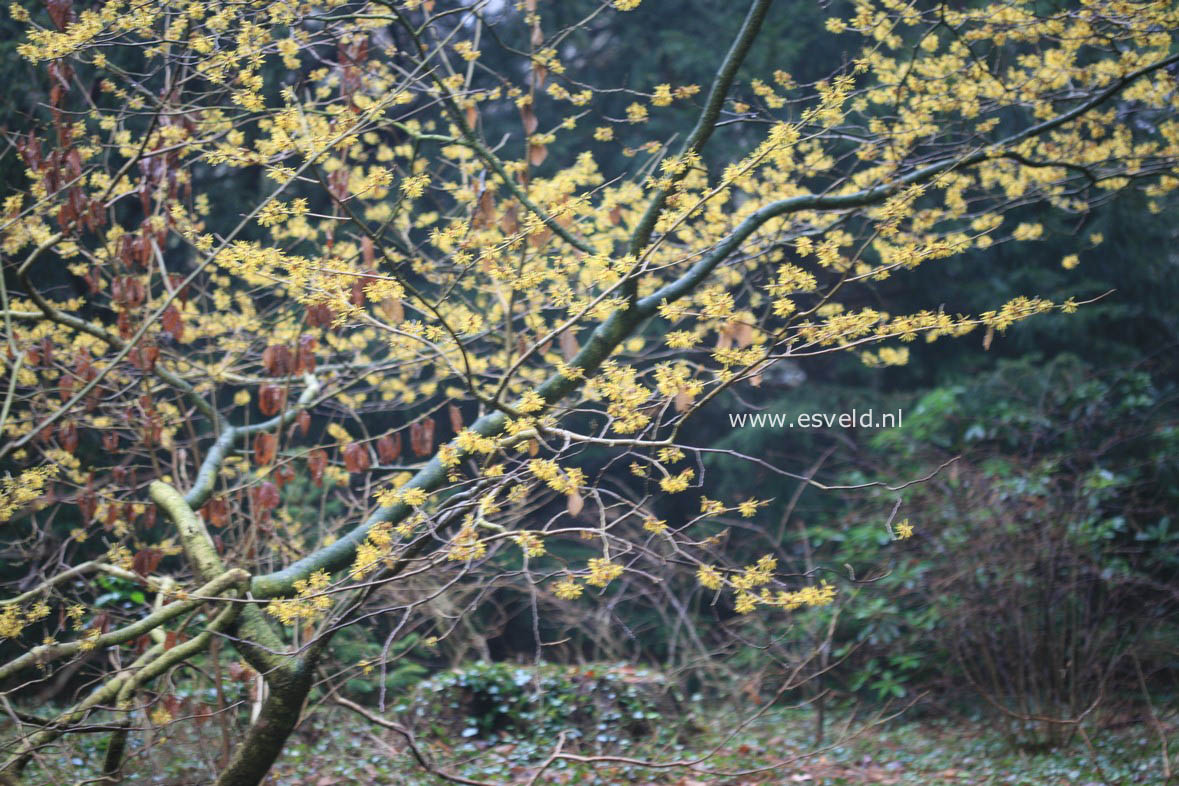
[178, 654]
[104, 694]
[268, 734]
[44, 653]
[258, 643]
[206, 479]
[608, 335]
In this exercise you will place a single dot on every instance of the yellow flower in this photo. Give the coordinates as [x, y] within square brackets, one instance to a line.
[11, 622]
[636, 113]
[415, 186]
[17, 492]
[904, 530]
[603, 571]
[568, 589]
[531, 543]
[160, 716]
[676, 483]
[709, 577]
[654, 525]
[466, 546]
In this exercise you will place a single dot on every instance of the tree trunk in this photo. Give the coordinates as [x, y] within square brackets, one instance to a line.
[268, 734]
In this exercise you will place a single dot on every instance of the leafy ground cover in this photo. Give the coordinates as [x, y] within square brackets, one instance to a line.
[341, 749]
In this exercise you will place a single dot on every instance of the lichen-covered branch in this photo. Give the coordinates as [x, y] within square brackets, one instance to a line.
[112, 763]
[44, 653]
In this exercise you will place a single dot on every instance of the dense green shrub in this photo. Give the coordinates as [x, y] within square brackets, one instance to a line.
[1044, 563]
[601, 705]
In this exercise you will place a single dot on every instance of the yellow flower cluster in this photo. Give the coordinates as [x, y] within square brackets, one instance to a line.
[15, 493]
[673, 484]
[530, 543]
[709, 577]
[310, 601]
[619, 385]
[602, 571]
[13, 620]
[564, 482]
[466, 545]
[413, 187]
[652, 524]
[375, 549]
[568, 589]
[746, 584]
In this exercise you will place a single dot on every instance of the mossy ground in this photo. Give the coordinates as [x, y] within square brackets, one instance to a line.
[337, 748]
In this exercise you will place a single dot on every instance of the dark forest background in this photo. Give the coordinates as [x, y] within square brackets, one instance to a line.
[1043, 574]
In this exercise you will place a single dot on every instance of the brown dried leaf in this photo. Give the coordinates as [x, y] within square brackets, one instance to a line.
[393, 310]
[266, 496]
[358, 297]
[724, 338]
[60, 12]
[509, 224]
[303, 422]
[743, 334]
[316, 463]
[485, 214]
[277, 360]
[569, 345]
[67, 437]
[528, 118]
[421, 437]
[144, 357]
[389, 448]
[172, 322]
[283, 475]
[356, 458]
[367, 252]
[305, 355]
[265, 449]
[145, 561]
[271, 399]
[216, 512]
